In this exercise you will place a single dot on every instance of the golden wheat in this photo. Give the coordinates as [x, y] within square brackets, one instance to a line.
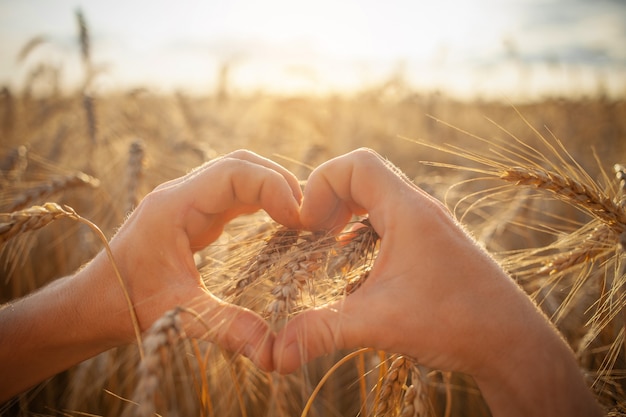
[359, 248]
[310, 255]
[32, 218]
[571, 263]
[281, 242]
[160, 338]
[52, 186]
[390, 399]
[589, 199]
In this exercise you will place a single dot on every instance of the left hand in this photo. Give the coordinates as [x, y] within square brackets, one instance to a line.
[154, 248]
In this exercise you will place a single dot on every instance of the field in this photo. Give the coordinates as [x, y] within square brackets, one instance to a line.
[538, 183]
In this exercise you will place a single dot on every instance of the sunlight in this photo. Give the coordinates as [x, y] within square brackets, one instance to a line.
[322, 46]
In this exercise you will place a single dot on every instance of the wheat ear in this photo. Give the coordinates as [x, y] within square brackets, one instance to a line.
[310, 255]
[591, 246]
[390, 397]
[32, 218]
[14, 164]
[161, 336]
[571, 191]
[278, 244]
[358, 249]
[415, 401]
[49, 188]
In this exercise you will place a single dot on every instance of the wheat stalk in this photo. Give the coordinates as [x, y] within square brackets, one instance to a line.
[328, 374]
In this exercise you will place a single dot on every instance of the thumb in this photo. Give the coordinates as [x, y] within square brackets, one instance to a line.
[236, 329]
[314, 333]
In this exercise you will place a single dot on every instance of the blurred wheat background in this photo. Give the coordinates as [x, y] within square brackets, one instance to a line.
[539, 180]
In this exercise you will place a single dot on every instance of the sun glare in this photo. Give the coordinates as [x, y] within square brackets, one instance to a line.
[281, 45]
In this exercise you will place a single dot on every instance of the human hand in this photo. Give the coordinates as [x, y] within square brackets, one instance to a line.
[432, 294]
[155, 246]
[419, 282]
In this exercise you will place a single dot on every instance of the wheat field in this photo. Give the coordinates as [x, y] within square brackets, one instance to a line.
[540, 184]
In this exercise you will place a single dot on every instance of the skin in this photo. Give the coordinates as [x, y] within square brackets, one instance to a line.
[439, 297]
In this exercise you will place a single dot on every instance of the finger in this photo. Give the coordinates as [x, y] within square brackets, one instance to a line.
[291, 179]
[249, 156]
[234, 328]
[355, 183]
[229, 188]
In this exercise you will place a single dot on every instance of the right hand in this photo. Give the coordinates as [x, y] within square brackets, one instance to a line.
[433, 294]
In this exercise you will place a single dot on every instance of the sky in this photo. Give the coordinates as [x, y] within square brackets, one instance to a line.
[464, 47]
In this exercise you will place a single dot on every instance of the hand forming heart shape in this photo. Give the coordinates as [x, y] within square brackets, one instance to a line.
[418, 238]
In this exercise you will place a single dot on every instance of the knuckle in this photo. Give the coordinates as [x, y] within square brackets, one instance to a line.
[241, 154]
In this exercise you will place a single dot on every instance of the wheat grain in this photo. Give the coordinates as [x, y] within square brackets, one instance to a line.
[408, 407]
[36, 217]
[415, 400]
[620, 174]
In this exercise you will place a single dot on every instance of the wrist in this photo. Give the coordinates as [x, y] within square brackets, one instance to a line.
[105, 302]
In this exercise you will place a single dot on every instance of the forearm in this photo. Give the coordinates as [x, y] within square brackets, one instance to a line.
[68, 321]
[537, 376]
